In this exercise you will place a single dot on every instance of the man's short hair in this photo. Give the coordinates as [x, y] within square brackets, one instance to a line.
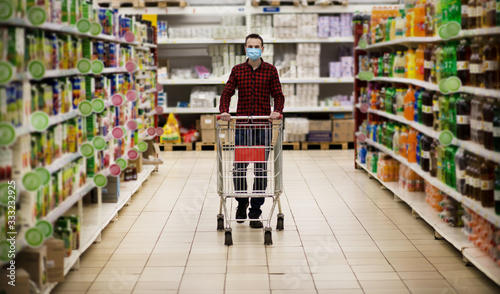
[255, 36]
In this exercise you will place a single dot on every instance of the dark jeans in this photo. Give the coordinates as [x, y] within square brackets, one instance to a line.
[250, 137]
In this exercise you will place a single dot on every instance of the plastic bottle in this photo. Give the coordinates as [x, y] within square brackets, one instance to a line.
[497, 190]
[460, 168]
[480, 13]
[463, 56]
[409, 24]
[387, 60]
[426, 153]
[463, 112]
[454, 12]
[438, 15]
[412, 146]
[399, 27]
[472, 20]
[392, 28]
[440, 63]
[409, 101]
[491, 56]
[465, 14]
[419, 19]
[403, 141]
[428, 62]
[488, 116]
[395, 141]
[476, 180]
[399, 65]
[487, 184]
[496, 127]
[411, 65]
[430, 11]
[400, 102]
[417, 110]
[427, 110]
[498, 14]
[452, 114]
[443, 124]
[436, 110]
[419, 147]
[434, 158]
[476, 65]
[419, 68]
[357, 21]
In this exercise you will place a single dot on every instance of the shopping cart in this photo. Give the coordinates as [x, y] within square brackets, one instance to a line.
[249, 146]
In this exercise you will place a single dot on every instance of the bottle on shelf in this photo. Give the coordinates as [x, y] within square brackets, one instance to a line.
[428, 65]
[400, 102]
[387, 68]
[479, 13]
[403, 142]
[436, 110]
[411, 65]
[490, 13]
[496, 127]
[487, 184]
[419, 19]
[491, 57]
[488, 116]
[357, 22]
[417, 117]
[434, 158]
[412, 146]
[395, 141]
[427, 109]
[425, 160]
[430, 11]
[452, 114]
[476, 65]
[440, 163]
[497, 190]
[460, 171]
[476, 181]
[464, 21]
[399, 27]
[399, 65]
[419, 68]
[409, 101]
[463, 57]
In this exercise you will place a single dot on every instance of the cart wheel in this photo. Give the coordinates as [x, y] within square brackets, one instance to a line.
[220, 223]
[228, 239]
[268, 238]
[281, 223]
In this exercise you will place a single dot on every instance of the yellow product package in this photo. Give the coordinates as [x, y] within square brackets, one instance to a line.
[171, 132]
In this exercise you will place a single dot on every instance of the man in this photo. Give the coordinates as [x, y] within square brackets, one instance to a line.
[256, 81]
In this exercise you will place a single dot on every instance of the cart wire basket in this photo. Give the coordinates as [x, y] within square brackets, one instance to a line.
[249, 149]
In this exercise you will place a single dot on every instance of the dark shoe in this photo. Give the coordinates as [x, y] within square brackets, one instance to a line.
[241, 211]
[256, 224]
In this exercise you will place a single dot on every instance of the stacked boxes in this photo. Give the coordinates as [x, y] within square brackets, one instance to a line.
[342, 69]
[202, 97]
[320, 131]
[307, 25]
[224, 57]
[262, 25]
[285, 26]
[207, 125]
[308, 60]
[296, 129]
[307, 95]
[343, 130]
[335, 26]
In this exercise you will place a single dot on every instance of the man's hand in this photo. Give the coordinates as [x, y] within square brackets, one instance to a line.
[225, 116]
[274, 116]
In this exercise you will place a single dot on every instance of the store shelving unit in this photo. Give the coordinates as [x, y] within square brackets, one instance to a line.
[269, 41]
[219, 81]
[330, 109]
[455, 236]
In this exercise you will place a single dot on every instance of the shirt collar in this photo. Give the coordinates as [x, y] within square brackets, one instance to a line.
[262, 64]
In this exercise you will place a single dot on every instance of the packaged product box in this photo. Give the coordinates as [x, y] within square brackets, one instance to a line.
[320, 125]
[343, 130]
[55, 260]
[207, 121]
[33, 261]
[137, 162]
[319, 136]
[111, 192]
[22, 281]
[208, 135]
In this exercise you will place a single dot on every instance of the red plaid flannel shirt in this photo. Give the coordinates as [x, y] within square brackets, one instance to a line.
[255, 87]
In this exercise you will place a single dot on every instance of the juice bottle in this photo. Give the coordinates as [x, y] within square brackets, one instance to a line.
[487, 184]
[411, 65]
[465, 15]
[427, 62]
[409, 24]
[488, 116]
[357, 22]
[430, 11]
[366, 26]
[403, 141]
[460, 169]
[400, 27]
[409, 101]
[472, 20]
[434, 158]
[391, 64]
[490, 64]
[476, 65]
[419, 19]
[496, 127]
[444, 101]
[463, 56]
[400, 102]
[497, 190]
[387, 60]
[392, 29]
[452, 114]
[419, 68]
[399, 65]
[411, 180]
[412, 146]
[395, 141]
[439, 65]
[433, 76]
[435, 110]
[388, 25]
[427, 111]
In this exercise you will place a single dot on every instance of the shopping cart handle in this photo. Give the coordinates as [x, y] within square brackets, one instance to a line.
[250, 117]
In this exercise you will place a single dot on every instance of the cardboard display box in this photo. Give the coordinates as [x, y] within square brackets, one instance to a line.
[111, 192]
[208, 135]
[22, 284]
[207, 121]
[343, 130]
[55, 260]
[320, 125]
[33, 261]
[319, 136]
[137, 162]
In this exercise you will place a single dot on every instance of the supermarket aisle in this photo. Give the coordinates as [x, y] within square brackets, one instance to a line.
[342, 235]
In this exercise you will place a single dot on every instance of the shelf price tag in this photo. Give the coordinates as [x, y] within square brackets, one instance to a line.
[99, 143]
[142, 146]
[7, 134]
[364, 107]
[122, 163]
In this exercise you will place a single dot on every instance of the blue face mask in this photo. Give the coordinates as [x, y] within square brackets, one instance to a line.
[254, 53]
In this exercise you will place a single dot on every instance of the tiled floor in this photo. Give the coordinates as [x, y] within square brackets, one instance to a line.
[343, 234]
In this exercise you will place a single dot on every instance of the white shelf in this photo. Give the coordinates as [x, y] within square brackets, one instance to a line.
[189, 110]
[416, 200]
[149, 68]
[96, 217]
[69, 202]
[62, 161]
[488, 213]
[434, 87]
[467, 145]
[142, 77]
[152, 90]
[242, 10]
[483, 262]
[60, 73]
[412, 40]
[53, 120]
[70, 261]
[215, 81]
[63, 29]
[267, 41]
